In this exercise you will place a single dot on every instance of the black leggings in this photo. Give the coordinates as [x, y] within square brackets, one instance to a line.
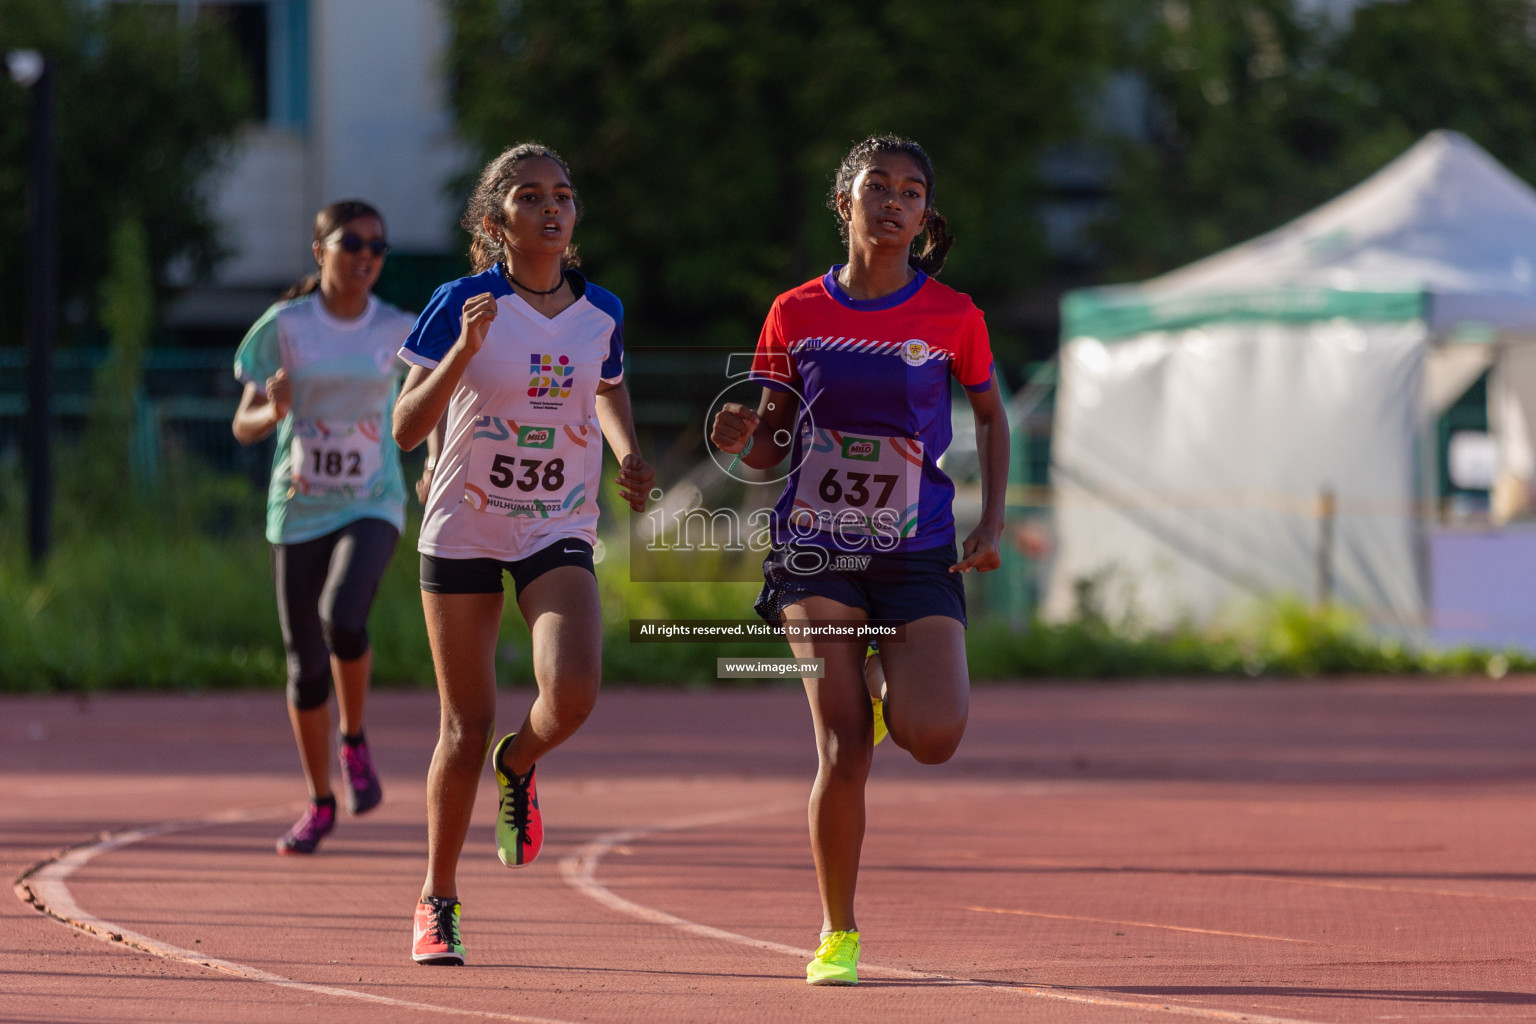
[325, 589]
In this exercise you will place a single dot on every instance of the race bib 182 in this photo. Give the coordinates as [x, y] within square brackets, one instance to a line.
[336, 459]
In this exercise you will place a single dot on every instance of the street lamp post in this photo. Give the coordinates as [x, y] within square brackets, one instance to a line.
[29, 68]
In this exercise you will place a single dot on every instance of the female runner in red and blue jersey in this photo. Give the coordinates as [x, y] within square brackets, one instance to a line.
[856, 369]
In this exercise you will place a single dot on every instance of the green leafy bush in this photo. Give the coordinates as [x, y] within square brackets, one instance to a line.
[174, 591]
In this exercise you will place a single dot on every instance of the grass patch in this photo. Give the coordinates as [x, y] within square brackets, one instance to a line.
[173, 591]
[1279, 638]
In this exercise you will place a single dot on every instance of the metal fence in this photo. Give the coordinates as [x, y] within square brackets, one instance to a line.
[185, 407]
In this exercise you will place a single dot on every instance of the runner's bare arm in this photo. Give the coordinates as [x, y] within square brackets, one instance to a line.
[259, 414]
[617, 419]
[771, 428]
[429, 468]
[980, 551]
[424, 395]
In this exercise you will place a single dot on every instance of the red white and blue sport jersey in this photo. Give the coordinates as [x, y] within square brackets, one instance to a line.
[873, 379]
[522, 452]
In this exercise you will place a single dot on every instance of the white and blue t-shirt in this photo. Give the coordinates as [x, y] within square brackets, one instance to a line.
[522, 452]
[336, 462]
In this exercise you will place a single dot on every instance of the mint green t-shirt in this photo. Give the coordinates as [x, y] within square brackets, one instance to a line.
[335, 462]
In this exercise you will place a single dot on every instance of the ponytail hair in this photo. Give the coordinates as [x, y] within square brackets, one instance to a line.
[328, 221]
[490, 195]
[936, 241]
[932, 246]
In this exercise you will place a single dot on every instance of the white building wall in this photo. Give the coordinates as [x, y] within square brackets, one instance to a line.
[379, 129]
[380, 125]
[263, 206]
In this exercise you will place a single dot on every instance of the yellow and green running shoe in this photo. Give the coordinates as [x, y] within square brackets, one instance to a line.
[519, 825]
[881, 731]
[837, 961]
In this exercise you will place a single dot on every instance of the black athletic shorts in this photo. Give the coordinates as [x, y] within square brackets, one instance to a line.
[903, 586]
[483, 575]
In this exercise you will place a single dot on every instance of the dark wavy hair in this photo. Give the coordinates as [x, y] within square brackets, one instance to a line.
[935, 240]
[489, 195]
[328, 221]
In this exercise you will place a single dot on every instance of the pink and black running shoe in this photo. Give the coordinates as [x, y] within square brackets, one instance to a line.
[364, 792]
[315, 825]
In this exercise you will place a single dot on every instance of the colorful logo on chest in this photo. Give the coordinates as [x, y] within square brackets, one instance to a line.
[550, 376]
[914, 352]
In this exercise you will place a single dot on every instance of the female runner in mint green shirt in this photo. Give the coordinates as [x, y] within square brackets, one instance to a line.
[320, 369]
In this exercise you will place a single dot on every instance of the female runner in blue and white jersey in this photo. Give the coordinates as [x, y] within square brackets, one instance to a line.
[320, 368]
[856, 367]
[525, 361]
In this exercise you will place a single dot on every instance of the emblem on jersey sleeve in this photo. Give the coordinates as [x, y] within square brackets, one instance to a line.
[914, 352]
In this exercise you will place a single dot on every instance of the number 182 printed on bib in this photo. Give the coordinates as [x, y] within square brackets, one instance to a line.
[336, 460]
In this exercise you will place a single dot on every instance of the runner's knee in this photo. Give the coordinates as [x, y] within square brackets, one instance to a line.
[347, 642]
[932, 744]
[467, 734]
[571, 704]
[845, 759]
[310, 689]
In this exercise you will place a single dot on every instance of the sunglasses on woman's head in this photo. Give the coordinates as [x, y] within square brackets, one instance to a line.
[355, 244]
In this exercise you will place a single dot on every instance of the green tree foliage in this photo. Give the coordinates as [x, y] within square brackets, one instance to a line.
[703, 134]
[1259, 114]
[145, 107]
[128, 314]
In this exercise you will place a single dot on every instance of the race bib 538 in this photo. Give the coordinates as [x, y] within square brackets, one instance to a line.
[519, 469]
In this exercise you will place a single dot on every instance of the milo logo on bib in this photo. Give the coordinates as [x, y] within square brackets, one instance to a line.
[863, 449]
[535, 437]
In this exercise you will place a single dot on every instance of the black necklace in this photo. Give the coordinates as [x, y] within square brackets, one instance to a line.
[512, 280]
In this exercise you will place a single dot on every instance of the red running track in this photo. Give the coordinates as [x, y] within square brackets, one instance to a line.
[1234, 852]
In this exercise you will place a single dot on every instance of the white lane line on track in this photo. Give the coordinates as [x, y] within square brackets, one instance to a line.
[1142, 924]
[44, 887]
[580, 872]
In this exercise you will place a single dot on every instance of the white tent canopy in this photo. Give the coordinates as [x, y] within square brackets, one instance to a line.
[1202, 414]
[1444, 220]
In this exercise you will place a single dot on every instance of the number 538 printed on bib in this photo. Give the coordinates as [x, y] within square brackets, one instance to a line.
[521, 469]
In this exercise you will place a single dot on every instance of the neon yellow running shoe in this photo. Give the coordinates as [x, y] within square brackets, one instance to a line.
[874, 678]
[837, 961]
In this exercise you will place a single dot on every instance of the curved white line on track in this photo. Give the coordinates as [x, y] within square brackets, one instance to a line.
[580, 872]
[44, 887]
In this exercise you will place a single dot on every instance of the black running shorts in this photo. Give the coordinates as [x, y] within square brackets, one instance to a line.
[483, 575]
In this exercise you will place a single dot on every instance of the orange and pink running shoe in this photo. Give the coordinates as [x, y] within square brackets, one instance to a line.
[437, 933]
[519, 826]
